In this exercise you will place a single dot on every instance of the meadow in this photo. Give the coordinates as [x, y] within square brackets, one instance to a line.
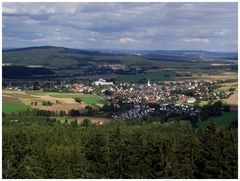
[15, 101]
[86, 98]
[221, 121]
[154, 76]
[9, 108]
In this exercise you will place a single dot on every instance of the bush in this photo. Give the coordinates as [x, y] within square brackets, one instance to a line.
[86, 123]
[77, 99]
[74, 113]
[47, 103]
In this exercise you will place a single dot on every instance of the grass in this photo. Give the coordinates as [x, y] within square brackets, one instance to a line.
[92, 100]
[14, 100]
[203, 103]
[11, 104]
[86, 98]
[155, 76]
[9, 108]
[226, 86]
[221, 121]
[214, 75]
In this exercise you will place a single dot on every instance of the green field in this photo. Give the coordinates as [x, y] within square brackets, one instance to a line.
[202, 103]
[92, 100]
[221, 121]
[9, 108]
[55, 94]
[155, 76]
[86, 98]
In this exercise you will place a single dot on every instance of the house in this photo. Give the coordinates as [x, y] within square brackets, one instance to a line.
[98, 123]
[191, 100]
[102, 82]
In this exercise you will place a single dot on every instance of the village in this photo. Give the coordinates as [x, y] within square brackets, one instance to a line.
[172, 97]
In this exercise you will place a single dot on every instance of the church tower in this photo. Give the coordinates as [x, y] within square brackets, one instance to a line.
[148, 83]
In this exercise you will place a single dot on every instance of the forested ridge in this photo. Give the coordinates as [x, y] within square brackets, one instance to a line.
[39, 147]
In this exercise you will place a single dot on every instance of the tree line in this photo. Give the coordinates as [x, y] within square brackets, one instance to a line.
[38, 147]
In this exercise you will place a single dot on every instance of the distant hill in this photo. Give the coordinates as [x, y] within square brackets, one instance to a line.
[60, 57]
[169, 54]
[49, 56]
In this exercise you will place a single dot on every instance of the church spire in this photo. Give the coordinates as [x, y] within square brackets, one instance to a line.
[148, 83]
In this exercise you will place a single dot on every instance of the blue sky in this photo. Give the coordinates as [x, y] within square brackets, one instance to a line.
[163, 26]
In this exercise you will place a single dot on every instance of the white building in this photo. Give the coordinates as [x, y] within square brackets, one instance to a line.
[191, 100]
[102, 82]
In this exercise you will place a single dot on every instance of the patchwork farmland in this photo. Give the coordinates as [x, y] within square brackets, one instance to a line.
[14, 101]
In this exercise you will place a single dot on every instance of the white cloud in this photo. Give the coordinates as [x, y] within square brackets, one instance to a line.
[91, 39]
[127, 40]
[9, 10]
[196, 40]
[221, 33]
[121, 25]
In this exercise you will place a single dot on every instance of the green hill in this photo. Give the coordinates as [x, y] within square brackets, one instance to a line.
[67, 58]
[60, 57]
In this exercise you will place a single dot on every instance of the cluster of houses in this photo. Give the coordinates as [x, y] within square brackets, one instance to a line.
[79, 87]
[33, 85]
[114, 66]
[179, 109]
[171, 92]
[139, 111]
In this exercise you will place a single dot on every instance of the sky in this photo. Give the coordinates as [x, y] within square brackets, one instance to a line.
[135, 26]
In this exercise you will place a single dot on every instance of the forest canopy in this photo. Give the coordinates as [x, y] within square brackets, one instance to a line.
[40, 147]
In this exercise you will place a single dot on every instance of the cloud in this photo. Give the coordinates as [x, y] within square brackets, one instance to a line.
[221, 33]
[127, 40]
[196, 40]
[130, 25]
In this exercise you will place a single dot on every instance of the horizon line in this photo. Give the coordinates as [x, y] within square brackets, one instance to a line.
[119, 49]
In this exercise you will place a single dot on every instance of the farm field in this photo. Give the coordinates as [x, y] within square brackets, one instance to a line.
[233, 100]
[155, 76]
[9, 108]
[221, 121]
[87, 98]
[170, 75]
[227, 86]
[61, 101]
[220, 75]
[202, 103]
[11, 104]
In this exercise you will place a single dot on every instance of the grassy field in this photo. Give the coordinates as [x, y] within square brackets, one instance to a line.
[92, 100]
[221, 121]
[226, 86]
[86, 98]
[14, 107]
[202, 103]
[54, 94]
[155, 76]
[14, 102]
